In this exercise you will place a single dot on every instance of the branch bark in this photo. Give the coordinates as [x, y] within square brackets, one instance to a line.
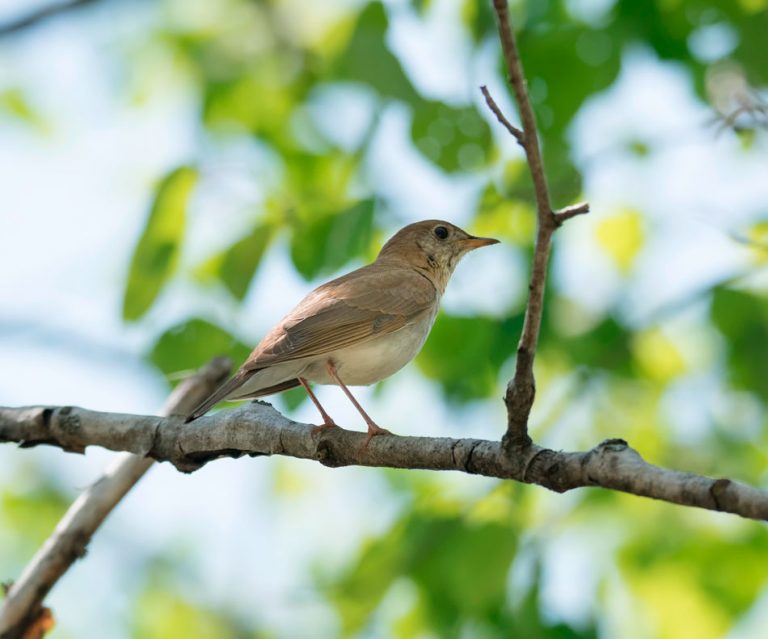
[257, 429]
[521, 391]
[22, 605]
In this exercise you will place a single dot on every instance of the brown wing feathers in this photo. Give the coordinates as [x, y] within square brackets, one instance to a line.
[346, 311]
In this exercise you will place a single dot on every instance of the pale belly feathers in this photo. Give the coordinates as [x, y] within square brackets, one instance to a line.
[357, 365]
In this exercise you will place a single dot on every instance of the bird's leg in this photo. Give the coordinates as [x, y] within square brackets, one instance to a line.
[373, 428]
[327, 419]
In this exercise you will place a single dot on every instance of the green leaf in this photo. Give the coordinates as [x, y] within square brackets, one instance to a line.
[357, 593]
[368, 60]
[565, 64]
[742, 318]
[446, 556]
[236, 265]
[479, 17]
[453, 138]
[606, 346]
[325, 244]
[458, 345]
[192, 343]
[258, 100]
[458, 576]
[162, 612]
[156, 254]
[35, 512]
[685, 564]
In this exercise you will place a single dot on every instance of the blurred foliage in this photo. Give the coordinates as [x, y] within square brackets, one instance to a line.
[164, 608]
[184, 346]
[35, 509]
[14, 102]
[447, 558]
[256, 70]
[743, 319]
[157, 252]
[324, 243]
[477, 344]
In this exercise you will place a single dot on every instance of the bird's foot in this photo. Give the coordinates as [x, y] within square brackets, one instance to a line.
[328, 423]
[374, 430]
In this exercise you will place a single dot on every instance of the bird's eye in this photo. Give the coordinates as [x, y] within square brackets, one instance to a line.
[441, 232]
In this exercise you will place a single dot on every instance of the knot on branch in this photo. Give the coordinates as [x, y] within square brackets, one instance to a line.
[718, 491]
[545, 467]
[613, 445]
[519, 399]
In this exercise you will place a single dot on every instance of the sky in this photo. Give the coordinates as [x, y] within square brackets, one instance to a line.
[73, 198]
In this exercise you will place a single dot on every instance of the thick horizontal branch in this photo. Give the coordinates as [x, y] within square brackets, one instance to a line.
[257, 429]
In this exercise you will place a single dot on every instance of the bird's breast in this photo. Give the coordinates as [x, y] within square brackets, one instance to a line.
[374, 359]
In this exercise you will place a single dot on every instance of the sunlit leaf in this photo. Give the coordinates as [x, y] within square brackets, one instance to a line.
[156, 254]
[14, 102]
[260, 100]
[503, 217]
[161, 613]
[758, 242]
[479, 18]
[681, 581]
[621, 236]
[658, 356]
[35, 512]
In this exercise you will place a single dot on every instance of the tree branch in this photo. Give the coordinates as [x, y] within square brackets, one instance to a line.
[69, 540]
[521, 391]
[513, 130]
[257, 429]
[41, 14]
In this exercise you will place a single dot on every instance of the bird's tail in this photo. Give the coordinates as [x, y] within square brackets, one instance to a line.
[220, 393]
[232, 384]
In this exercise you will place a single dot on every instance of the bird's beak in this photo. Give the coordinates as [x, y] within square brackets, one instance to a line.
[473, 242]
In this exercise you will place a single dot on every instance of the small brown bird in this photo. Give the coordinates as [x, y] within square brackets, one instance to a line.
[359, 328]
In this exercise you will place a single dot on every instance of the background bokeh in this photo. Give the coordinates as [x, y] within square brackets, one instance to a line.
[175, 174]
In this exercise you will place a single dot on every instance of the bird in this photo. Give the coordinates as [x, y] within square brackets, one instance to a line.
[358, 328]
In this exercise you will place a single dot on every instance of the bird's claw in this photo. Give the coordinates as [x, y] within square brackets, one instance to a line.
[316, 430]
[374, 431]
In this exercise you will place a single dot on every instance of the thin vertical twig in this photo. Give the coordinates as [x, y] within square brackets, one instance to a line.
[521, 390]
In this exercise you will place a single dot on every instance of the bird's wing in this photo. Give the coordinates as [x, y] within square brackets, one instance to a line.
[349, 310]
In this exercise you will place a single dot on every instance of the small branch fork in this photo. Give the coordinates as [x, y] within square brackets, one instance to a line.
[521, 391]
[257, 429]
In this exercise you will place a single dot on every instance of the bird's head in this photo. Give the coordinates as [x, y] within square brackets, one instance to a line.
[431, 246]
